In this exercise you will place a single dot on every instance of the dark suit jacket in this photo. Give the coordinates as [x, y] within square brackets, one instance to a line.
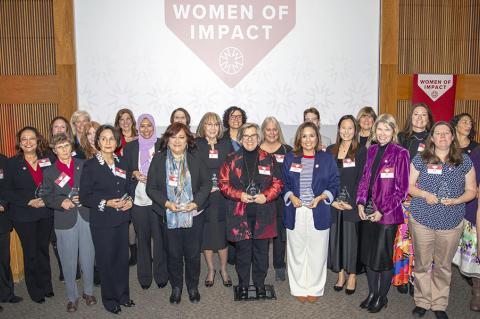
[5, 223]
[130, 155]
[97, 185]
[55, 195]
[20, 189]
[157, 186]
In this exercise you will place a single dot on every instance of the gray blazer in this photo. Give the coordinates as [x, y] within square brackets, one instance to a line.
[55, 195]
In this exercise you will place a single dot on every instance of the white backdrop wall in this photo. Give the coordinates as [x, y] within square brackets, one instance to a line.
[127, 57]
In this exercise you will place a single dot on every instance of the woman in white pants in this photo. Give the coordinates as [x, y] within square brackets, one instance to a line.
[311, 182]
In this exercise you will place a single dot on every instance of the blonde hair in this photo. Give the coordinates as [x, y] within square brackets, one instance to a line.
[271, 119]
[209, 116]
[389, 120]
[75, 116]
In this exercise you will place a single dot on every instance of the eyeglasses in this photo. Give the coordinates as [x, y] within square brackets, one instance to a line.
[209, 125]
[250, 137]
[236, 117]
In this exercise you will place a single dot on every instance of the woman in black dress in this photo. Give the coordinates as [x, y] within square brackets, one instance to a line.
[343, 246]
[365, 118]
[274, 143]
[465, 132]
[214, 150]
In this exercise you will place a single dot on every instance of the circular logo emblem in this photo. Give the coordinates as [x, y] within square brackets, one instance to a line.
[434, 94]
[231, 60]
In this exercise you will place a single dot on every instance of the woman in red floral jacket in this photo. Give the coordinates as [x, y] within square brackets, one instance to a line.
[251, 183]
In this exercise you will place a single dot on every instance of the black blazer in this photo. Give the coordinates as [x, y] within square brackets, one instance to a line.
[5, 223]
[20, 189]
[156, 182]
[99, 184]
[130, 155]
[55, 195]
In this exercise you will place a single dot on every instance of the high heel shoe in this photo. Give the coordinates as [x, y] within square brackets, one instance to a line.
[366, 303]
[377, 304]
[339, 288]
[228, 282]
[209, 283]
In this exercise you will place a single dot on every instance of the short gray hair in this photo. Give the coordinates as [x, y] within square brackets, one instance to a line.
[246, 126]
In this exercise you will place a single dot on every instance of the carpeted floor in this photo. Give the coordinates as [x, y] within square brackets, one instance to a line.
[217, 302]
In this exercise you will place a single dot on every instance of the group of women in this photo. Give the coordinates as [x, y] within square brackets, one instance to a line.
[377, 200]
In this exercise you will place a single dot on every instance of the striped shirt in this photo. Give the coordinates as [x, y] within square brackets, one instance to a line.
[306, 175]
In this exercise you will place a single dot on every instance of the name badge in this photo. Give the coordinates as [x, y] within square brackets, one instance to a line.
[172, 181]
[120, 173]
[347, 162]
[62, 180]
[297, 168]
[264, 170]
[213, 154]
[1, 173]
[279, 158]
[421, 147]
[74, 153]
[44, 162]
[434, 169]
[386, 172]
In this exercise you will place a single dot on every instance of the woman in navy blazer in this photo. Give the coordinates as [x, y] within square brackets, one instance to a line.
[381, 191]
[32, 221]
[311, 183]
[104, 189]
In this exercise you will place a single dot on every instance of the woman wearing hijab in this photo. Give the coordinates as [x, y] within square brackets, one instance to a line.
[148, 224]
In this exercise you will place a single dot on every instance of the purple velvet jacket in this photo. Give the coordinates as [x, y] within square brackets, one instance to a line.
[387, 193]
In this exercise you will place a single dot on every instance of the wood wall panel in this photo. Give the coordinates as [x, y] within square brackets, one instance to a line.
[19, 115]
[27, 43]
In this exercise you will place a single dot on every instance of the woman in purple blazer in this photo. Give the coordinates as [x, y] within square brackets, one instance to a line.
[381, 190]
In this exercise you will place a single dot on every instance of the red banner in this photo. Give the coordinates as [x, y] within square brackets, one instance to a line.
[438, 92]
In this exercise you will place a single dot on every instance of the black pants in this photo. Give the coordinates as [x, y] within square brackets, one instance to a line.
[6, 278]
[35, 239]
[185, 244]
[111, 255]
[148, 225]
[251, 253]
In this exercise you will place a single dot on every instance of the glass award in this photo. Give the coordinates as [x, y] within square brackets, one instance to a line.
[369, 209]
[214, 182]
[124, 197]
[443, 191]
[344, 195]
[40, 191]
[73, 196]
[307, 197]
[252, 189]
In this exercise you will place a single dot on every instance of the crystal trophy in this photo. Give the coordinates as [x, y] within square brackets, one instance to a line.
[369, 209]
[443, 191]
[307, 197]
[252, 189]
[214, 182]
[73, 196]
[40, 191]
[344, 195]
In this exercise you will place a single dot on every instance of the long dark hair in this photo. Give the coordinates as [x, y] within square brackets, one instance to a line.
[173, 130]
[42, 145]
[454, 122]
[297, 145]
[408, 130]
[352, 151]
[117, 122]
[454, 154]
[184, 111]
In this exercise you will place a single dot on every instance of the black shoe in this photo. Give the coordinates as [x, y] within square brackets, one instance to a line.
[350, 291]
[115, 310]
[209, 283]
[133, 255]
[261, 292]
[15, 299]
[49, 295]
[366, 303]
[418, 312]
[40, 301]
[96, 277]
[243, 293]
[145, 287]
[403, 289]
[280, 274]
[377, 304]
[176, 295]
[439, 314]
[194, 295]
[228, 282]
[129, 304]
[162, 284]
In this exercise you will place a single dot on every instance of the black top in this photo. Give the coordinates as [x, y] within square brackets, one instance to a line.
[413, 142]
[350, 175]
[20, 189]
[376, 162]
[363, 140]
[468, 150]
[223, 147]
[5, 223]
